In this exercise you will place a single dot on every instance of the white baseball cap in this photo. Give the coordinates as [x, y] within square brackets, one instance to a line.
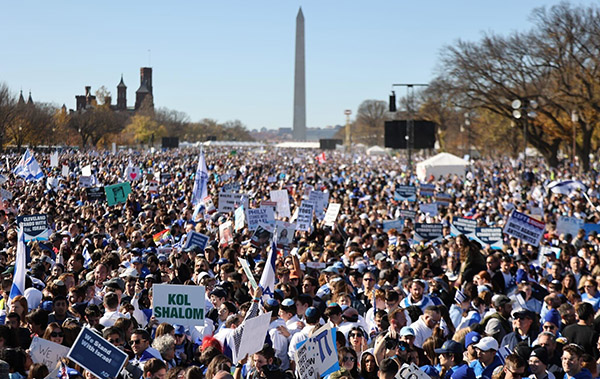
[487, 343]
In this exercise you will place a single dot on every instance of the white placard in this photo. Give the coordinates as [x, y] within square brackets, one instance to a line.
[46, 352]
[305, 216]
[332, 213]
[54, 159]
[253, 336]
[266, 215]
[178, 304]
[283, 203]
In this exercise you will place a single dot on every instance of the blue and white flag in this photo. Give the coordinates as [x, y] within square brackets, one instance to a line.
[18, 285]
[87, 258]
[566, 187]
[200, 190]
[267, 280]
[28, 168]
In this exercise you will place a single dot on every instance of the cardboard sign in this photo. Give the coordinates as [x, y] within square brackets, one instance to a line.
[525, 228]
[179, 304]
[117, 193]
[320, 199]
[196, 239]
[95, 194]
[431, 208]
[97, 355]
[285, 233]
[462, 226]
[426, 190]
[226, 233]
[490, 236]
[35, 227]
[283, 203]
[405, 193]
[46, 352]
[305, 216]
[569, 225]
[427, 232]
[393, 224]
[317, 356]
[253, 336]
[229, 201]
[332, 213]
[406, 214]
[265, 215]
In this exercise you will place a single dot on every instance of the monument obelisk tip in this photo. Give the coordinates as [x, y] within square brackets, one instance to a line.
[299, 131]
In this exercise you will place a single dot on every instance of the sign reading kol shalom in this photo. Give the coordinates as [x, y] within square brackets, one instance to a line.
[179, 304]
[525, 228]
[427, 232]
[464, 226]
[405, 193]
[97, 355]
[35, 227]
[490, 236]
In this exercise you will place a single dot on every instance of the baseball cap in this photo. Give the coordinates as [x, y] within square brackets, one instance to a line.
[451, 347]
[179, 329]
[407, 331]
[523, 313]
[487, 343]
[218, 292]
[471, 338]
[501, 300]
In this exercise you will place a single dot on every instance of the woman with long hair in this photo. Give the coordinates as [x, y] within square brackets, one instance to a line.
[368, 366]
[19, 305]
[357, 340]
[349, 361]
[54, 333]
[472, 259]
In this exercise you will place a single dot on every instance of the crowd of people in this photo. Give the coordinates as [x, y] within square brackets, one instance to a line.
[451, 307]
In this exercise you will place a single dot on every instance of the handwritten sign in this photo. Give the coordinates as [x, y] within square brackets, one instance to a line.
[317, 356]
[46, 352]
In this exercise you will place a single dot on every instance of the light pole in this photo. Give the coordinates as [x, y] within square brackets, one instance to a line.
[524, 108]
[574, 120]
[348, 112]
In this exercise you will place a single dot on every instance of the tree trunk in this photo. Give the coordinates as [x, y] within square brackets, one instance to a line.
[583, 150]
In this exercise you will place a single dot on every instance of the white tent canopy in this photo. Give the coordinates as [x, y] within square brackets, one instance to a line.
[441, 165]
[375, 150]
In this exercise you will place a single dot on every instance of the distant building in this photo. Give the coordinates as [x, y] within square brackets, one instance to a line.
[144, 97]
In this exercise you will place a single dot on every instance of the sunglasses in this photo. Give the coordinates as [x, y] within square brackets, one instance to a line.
[355, 335]
[351, 359]
[135, 342]
[57, 334]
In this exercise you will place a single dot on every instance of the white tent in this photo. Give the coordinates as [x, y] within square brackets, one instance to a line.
[375, 150]
[441, 165]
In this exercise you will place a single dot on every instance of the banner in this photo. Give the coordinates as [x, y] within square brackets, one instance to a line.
[406, 214]
[179, 304]
[283, 203]
[332, 213]
[305, 216]
[266, 215]
[569, 225]
[443, 199]
[427, 232]
[317, 356]
[196, 239]
[97, 355]
[35, 227]
[393, 224]
[117, 193]
[464, 226]
[426, 190]
[525, 228]
[46, 352]
[95, 194]
[405, 193]
[490, 236]
[431, 208]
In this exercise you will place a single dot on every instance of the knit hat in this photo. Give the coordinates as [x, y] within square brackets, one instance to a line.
[552, 316]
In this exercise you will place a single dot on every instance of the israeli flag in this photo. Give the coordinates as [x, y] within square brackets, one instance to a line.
[18, 285]
[87, 258]
[566, 187]
[200, 190]
[267, 280]
[28, 168]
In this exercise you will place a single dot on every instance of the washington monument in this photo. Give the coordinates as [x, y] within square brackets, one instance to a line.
[299, 82]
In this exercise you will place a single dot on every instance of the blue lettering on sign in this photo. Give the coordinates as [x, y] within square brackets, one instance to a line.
[323, 337]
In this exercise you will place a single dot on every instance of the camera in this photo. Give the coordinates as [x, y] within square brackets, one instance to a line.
[391, 343]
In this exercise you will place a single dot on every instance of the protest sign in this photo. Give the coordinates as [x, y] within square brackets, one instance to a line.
[285, 233]
[283, 203]
[54, 159]
[46, 352]
[271, 179]
[153, 186]
[305, 215]
[550, 249]
[332, 213]
[85, 181]
[427, 232]
[95, 194]
[426, 190]
[489, 236]
[97, 355]
[261, 235]
[253, 336]
[393, 224]
[320, 199]
[266, 215]
[316, 265]
[117, 193]
[240, 218]
[525, 228]
[6, 194]
[86, 171]
[443, 199]
[231, 187]
[411, 371]
[248, 272]
[133, 173]
[196, 239]
[405, 193]
[429, 208]
[179, 304]
[35, 227]
[464, 226]
[226, 233]
[229, 201]
[570, 225]
[591, 228]
[317, 356]
[406, 214]
[65, 171]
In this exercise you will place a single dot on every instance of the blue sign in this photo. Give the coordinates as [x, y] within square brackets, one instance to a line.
[405, 193]
[196, 239]
[591, 228]
[97, 355]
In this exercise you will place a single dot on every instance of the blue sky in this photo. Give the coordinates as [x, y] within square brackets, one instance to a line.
[231, 60]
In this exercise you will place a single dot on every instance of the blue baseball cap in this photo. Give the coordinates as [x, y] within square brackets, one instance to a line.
[179, 329]
[471, 338]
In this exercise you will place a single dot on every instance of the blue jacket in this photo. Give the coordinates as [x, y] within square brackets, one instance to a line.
[486, 372]
[583, 374]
